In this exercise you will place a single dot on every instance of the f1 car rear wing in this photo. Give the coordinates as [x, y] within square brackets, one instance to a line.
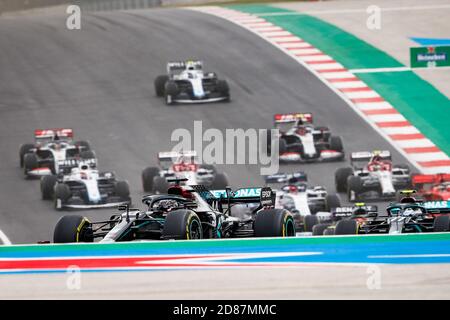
[437, 207]
[367, 155]
[40, 134]
[65, 166]
[287, 177]
[178, 66]
[420, 179]
[175, 155]
[348, 211]
[289, 117]
[265, 196]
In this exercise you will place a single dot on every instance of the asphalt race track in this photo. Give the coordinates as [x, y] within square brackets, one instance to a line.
[99, 81]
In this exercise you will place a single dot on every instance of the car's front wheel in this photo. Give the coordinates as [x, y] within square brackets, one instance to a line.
[73, 228]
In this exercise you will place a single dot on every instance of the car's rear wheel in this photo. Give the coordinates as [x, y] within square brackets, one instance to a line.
[220, 181]
[340, 178]
[354, 188]
[160, 184]
[24, 149]
[441, 224]
[122, 190]
[72, 228]
[332, 201]
[85, 145]
[148, 175]
[48, 187]
[309, 222]
[87, 155]
[274, 223]
[182, 224]
[336, 144]
[160, 83]
[318, 229]
[346, 227]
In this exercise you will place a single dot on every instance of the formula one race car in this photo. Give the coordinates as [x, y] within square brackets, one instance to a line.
[407, 216]
[186, 82]
[300, 141]
[85, 188]
[377, 179]
[432, 186]
[53, 152]
[181, 165]
[303, 201]
[185, 213]
[331, 224]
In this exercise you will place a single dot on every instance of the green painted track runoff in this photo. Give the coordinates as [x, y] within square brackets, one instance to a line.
[416, 99]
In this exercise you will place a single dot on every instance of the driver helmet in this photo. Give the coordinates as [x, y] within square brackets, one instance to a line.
[359, 211]
[167, 205]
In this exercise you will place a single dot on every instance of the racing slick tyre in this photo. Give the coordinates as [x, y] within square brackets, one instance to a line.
[24, 149]
[182, 224]
[220, 181]
[148, 175]
[328, 232]
[72, 228]
[88, 154]
[346, 227]
[441, 224]
[160, 185]
[336, 144]
[85, 145]
[318, 229]
[354, 188]
[122, 190]
[309, 222]
[274, 223]
[62, 194]
[160, 83]
[223, 89]
[332, 201]
[48, 187]
[171, 90]
[340, 178]
[30, 162]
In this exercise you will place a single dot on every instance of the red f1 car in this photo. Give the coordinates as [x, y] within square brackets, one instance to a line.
[432, 186]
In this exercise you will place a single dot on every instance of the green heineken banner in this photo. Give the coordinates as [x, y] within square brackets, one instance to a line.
[428, 57]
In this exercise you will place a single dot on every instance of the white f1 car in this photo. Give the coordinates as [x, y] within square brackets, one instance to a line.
[300, 141]
[306, 203]
[85, 188]
[377, 179]
[181, 165]
[186, 82]
[53, 152]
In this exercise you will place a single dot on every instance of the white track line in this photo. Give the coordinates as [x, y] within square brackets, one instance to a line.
[4, 238]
